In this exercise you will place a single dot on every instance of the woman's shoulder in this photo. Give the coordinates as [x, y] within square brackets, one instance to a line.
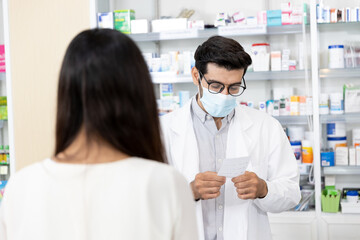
[162, 172]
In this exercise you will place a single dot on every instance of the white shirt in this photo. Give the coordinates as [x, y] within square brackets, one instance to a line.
[212, 143]
[127, 199]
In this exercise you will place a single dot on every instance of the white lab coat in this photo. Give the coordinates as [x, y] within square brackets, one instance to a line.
[251, 133]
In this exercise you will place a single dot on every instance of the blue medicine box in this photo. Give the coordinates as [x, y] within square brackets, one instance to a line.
[327, 159]
[273, 17]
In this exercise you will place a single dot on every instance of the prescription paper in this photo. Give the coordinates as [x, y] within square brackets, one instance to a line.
[233, 167]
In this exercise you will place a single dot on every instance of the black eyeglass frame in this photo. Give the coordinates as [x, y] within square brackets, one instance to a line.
[223, 86]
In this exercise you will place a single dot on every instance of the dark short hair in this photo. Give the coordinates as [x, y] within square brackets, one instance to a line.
[105, 87]
[224, 52]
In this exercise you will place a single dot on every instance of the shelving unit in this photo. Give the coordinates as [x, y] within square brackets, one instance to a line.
[315, 221]
[334, 225]
[294, 120]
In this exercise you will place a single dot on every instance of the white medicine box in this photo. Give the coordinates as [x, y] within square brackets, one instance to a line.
[139, 26]
[105, 20]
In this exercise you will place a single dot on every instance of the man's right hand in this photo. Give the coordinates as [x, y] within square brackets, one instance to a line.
[207, 185]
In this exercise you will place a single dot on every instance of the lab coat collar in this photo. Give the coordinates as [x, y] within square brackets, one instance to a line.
[179, 124]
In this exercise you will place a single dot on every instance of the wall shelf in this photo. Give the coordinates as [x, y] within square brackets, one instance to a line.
[292, 120]
[342, 170]
[228, 31]
[339, 26]
[171, 77]
[340, 73]
[347, 117]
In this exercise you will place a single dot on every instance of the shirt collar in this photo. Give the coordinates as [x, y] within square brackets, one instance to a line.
[203, 116]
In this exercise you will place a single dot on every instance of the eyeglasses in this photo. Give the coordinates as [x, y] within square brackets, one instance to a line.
[215, 87]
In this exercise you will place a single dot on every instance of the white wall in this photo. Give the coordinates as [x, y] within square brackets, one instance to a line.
[40, 32]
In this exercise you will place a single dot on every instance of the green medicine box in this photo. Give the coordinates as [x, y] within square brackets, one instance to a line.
[122, 20]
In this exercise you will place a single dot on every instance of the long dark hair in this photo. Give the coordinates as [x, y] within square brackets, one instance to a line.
[105, 87]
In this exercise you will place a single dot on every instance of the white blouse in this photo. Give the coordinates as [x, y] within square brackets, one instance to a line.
[128, 199]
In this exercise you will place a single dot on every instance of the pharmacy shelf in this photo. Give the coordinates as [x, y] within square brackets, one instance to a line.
[2, 76]
[342, 170]
[171, 77]
[228, 31]
[293, 120]
[347, 117]
[275, 75]
[340, 73]
[340, 26]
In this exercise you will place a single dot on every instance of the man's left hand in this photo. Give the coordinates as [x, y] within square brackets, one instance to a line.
[250, 186]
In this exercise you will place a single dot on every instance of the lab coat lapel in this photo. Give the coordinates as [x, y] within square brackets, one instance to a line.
[186, 155]
[239, 144]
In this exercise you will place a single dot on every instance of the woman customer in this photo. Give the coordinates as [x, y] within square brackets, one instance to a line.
[107, 179]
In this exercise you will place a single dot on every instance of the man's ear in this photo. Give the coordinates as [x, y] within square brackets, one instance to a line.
[195, 76]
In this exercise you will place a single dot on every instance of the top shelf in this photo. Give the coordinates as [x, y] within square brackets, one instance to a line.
[228, 31]
[340, 26]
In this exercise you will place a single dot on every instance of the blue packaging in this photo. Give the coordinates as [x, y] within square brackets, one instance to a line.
[327, 159]
[273, 17]
[296, 146]
[2, 188]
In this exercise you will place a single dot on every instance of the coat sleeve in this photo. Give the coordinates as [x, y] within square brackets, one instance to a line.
[282, 174]
[164, 124]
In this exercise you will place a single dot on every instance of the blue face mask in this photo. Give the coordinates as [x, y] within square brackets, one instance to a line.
[217, 105]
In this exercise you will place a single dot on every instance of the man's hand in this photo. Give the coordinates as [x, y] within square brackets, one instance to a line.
[250, 186]
[207, 185]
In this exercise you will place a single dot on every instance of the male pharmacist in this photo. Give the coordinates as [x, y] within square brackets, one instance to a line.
[211, 130]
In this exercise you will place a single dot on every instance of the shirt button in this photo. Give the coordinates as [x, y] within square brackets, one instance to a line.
[219, 160]
[220, 229]
[217, 136]
[220, 207]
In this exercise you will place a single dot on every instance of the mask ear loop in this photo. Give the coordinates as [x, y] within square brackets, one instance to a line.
[200, 87]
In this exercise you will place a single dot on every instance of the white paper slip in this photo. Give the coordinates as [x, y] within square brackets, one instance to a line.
[233, 167]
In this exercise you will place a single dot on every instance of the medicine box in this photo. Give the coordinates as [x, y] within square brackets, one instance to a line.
[273, 17]
[276, 61]
[105, 20]
[163, 25]
[350, 207]
[2, 58]
[327, 159]
[122, 20]
[351, 98]
[139, 26]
